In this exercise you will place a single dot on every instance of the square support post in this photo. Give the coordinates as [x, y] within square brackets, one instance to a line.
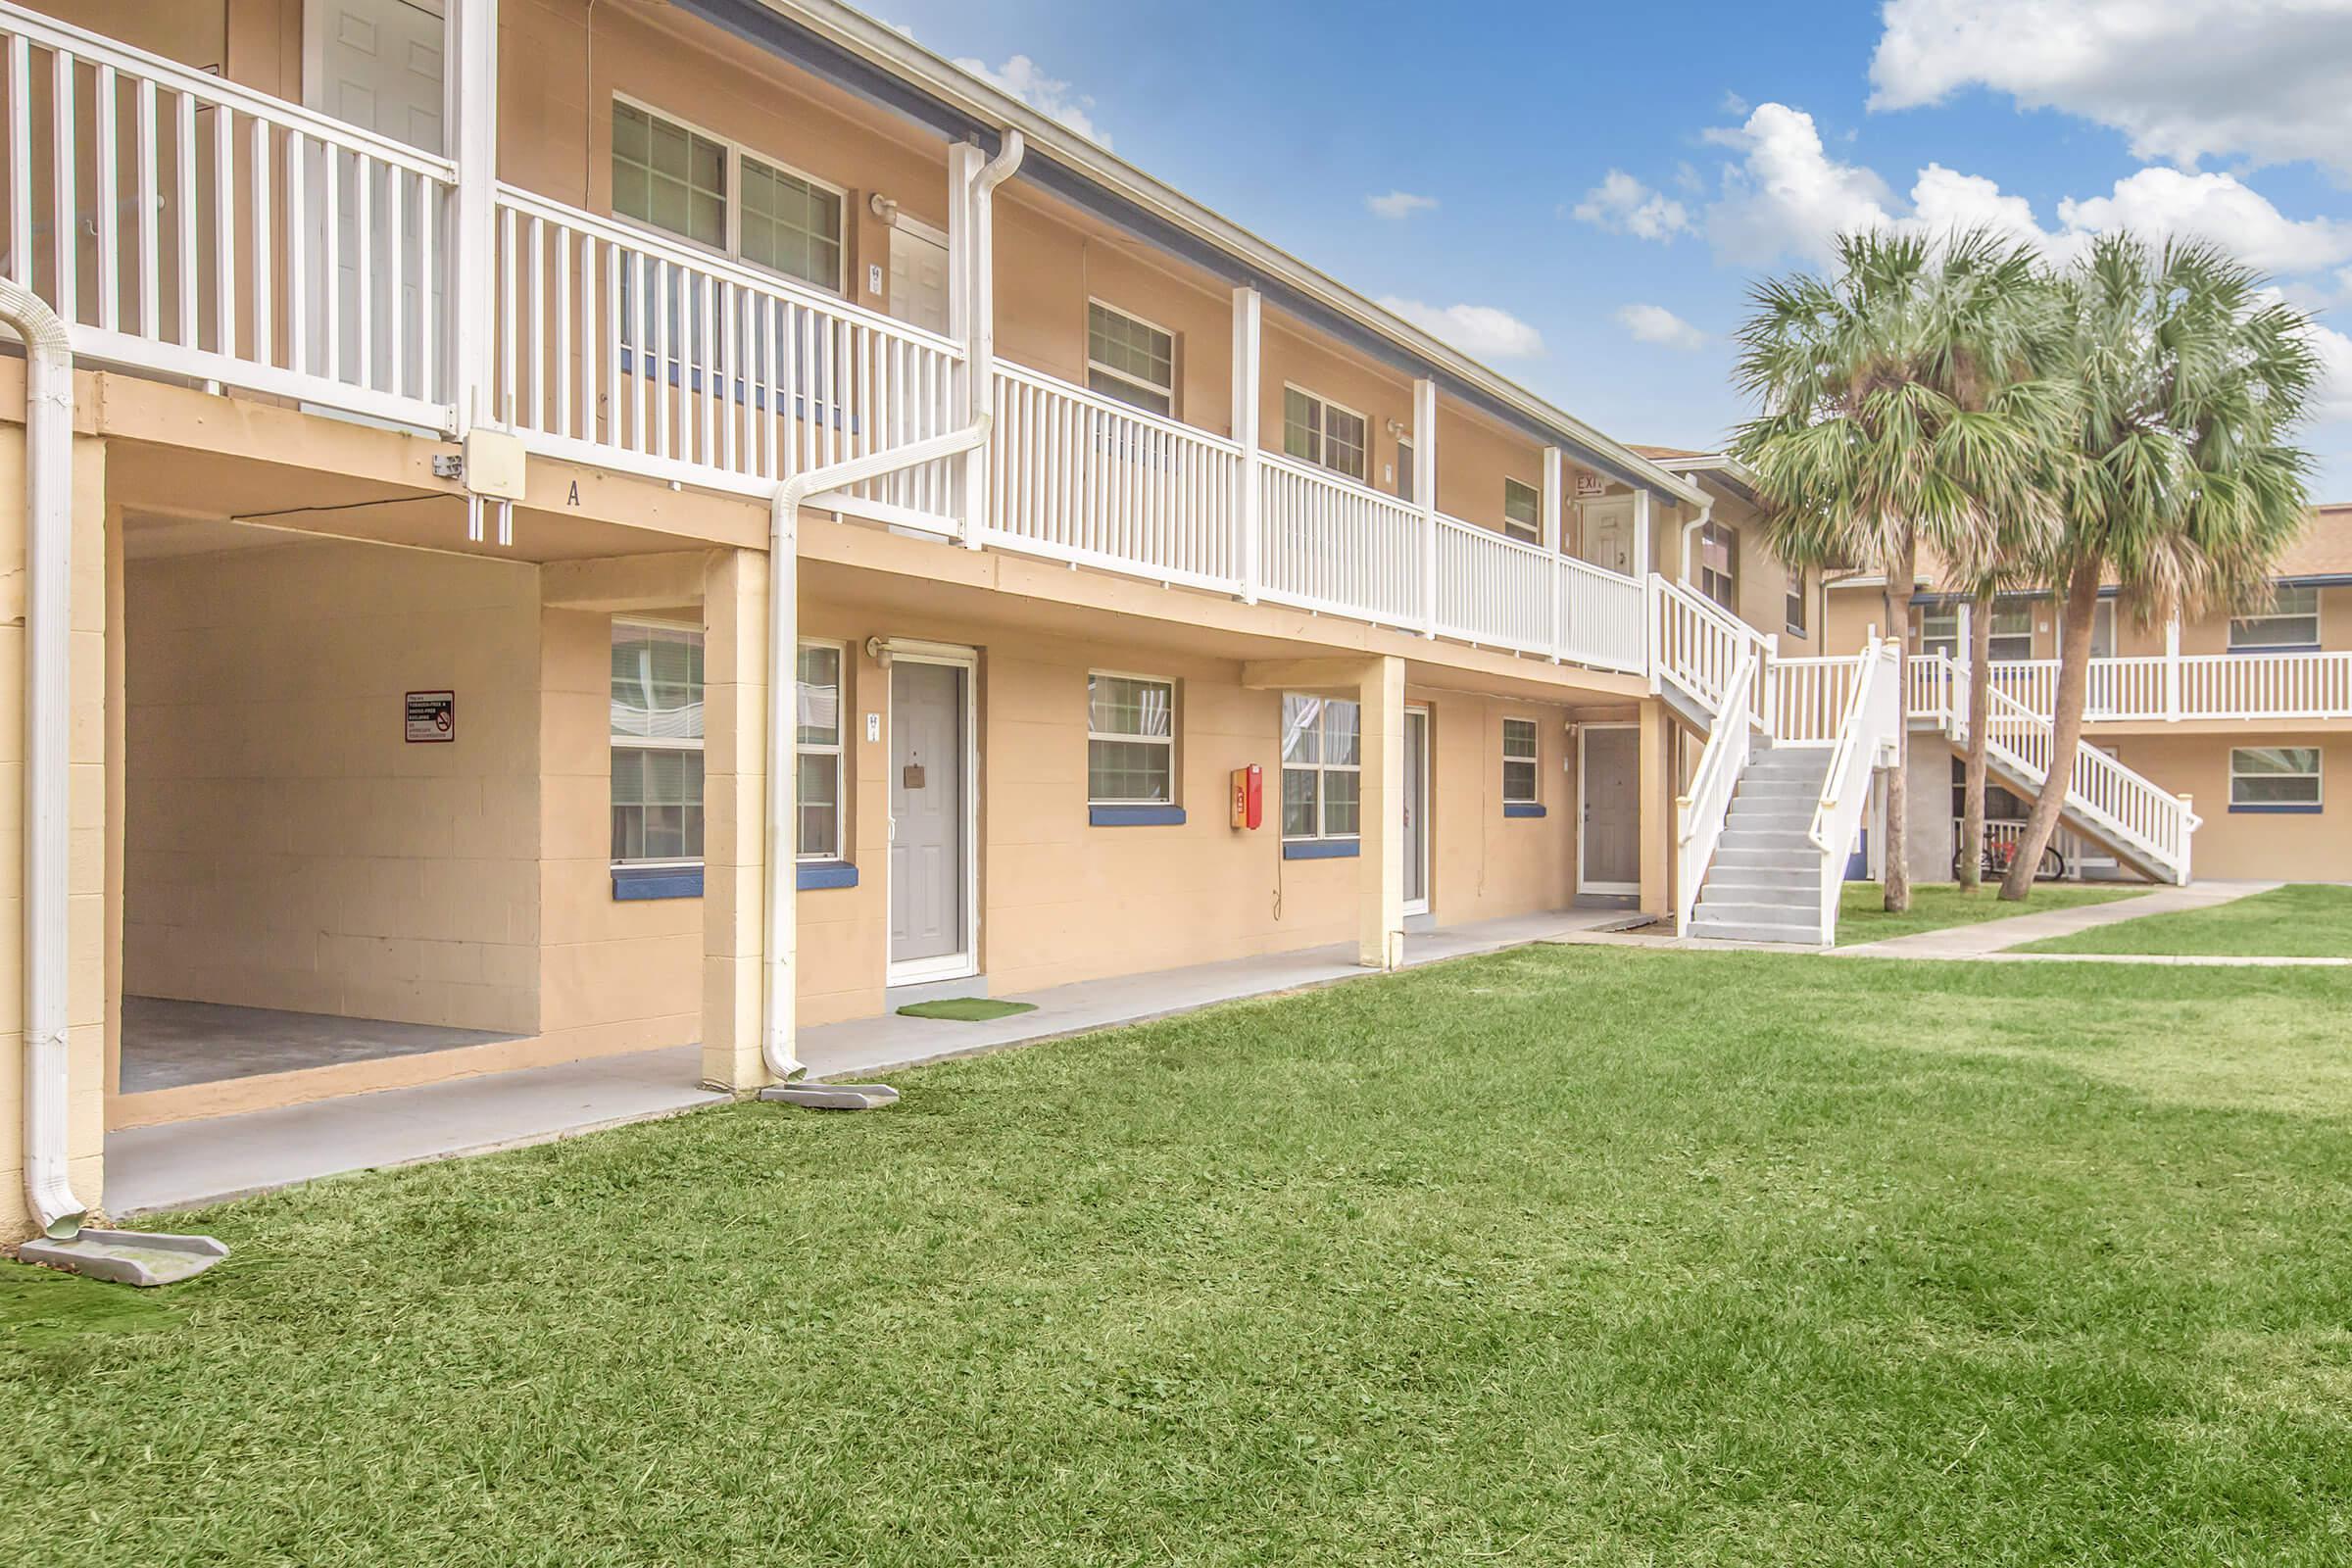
[1656, 825]
[469, 111]
[2171, 669]
[734, 830]
[1552, 505]
[1248, 402]
[1425, 496]
[1643, 561]
[1380, 931]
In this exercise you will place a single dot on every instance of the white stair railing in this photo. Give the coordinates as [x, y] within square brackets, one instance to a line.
[2116, 804]
[1808, 697]
[1697, 647]
[181, 223]
[1700, 813]
[1865, 731]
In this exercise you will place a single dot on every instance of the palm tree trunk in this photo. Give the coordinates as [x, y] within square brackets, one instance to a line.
[1971, 869]
[2065, 725]
[1897, 849]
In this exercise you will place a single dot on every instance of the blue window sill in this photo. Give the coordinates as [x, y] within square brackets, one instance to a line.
[1322, 849]
[1135, 817]
[1522, 809]
[817, 874]
[2274, 810]
[657, 882]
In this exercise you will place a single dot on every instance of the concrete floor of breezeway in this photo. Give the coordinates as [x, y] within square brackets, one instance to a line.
[180, 1164]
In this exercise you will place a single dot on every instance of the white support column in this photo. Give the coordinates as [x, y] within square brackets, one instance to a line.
[1554, 503]
[1247, 401]
[2171, 669]
[1425, 496]
[1643, 561]
[469, 111]
[1380, 814]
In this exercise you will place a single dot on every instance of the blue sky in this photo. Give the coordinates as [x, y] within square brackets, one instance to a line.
[1581, 199]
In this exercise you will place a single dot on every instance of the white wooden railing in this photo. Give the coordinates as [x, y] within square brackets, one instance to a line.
[1868, 726]
[182, 223]
[1602, 616]
[1807, 697]
[1491, 588]
[2108, 799]
[1698, 646]
[1084, 478]
[1336, 545]
[616, 344]
[1700, 812]
[2309, 684]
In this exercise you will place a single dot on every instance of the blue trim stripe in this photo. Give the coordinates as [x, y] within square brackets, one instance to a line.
[657, 882]
[1135, 817]
[1321, 849]
[824, 874]
[2274, 810]
[1522, 809]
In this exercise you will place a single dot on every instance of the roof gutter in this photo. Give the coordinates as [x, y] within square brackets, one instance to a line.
[902, 57]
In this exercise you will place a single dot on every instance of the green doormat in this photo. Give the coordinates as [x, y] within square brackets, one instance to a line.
[965, 1010]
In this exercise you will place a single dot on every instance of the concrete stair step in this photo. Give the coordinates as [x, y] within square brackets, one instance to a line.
[1806, 861]
[1726, 913]
[1799, 881]
[1736, 837]
[1800, 936]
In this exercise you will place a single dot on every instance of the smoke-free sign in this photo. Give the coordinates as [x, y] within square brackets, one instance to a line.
[432, 716]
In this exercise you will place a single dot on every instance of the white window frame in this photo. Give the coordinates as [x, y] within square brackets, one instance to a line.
[1701, 571]
[2317, 776]
[1323, 433]
[1320, 766]
[1997, 635]
[736, 152]
[641, 742]
[839, 750]
[1534, 526]
[1168, 740]
[1534, 758]
[1096, 302]
[1930, 641]
[1795, 611]
[2273, 614]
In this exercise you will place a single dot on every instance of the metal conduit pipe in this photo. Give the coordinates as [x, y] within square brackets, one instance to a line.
[48, 653]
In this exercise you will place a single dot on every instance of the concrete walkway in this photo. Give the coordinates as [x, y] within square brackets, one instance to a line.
[1988, 939]
[185, 1163]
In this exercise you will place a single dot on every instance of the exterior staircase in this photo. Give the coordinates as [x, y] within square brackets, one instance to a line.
[1764, 881]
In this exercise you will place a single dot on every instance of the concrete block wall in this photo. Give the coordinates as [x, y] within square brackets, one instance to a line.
[285, 845]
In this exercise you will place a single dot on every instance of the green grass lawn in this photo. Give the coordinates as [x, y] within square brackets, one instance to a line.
[1560, 1256]
[2306, 920]
[1862, 914]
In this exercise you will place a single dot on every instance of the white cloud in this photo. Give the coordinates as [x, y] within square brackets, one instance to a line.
[1623, 204]
[1787, 196]
[1655, 323]
[2184, 81]
[2215, 207]
[1399, 204]
[1479, 330]
[2332, 398]
[1050, 96]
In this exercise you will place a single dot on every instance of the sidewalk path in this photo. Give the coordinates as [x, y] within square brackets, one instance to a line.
[1986, 939]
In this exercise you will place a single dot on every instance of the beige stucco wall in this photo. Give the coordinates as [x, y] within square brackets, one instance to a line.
[2293, 846]
[86, 912]
[285, 845]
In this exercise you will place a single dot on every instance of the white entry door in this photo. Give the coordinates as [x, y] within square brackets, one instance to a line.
[1609, 844]
[1416, 810]
[1607, 534]
[918, 274]
[375, 63]
[929, 822]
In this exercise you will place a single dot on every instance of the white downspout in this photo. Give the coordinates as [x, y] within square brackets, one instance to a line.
[783, 717]
[48, 653]
[780, 993]
[1706, 514]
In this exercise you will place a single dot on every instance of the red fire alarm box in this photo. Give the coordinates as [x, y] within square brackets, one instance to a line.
[1248, 795]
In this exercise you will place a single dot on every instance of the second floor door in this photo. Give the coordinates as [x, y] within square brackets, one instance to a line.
[1608, 535]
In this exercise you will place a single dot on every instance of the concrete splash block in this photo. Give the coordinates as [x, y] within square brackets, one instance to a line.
[143, 1259]
[832, 1097]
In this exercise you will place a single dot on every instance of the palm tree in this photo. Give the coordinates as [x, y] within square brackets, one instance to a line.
[1901, 408]
[2180, 482]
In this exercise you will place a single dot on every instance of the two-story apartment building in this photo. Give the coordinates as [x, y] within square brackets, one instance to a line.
[2246, 716]
[481, 410]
